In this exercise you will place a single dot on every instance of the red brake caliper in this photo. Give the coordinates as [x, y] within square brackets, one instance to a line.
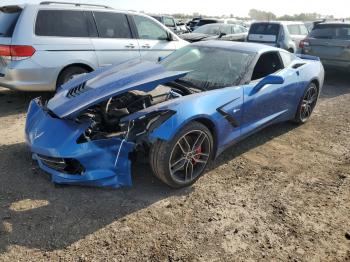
[198, 152]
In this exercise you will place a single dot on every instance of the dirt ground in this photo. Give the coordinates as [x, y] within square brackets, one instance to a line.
[283, 194]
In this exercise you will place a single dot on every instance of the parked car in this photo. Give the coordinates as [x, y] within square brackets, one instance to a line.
[331, 42]
[191, 24]
[183, 28]
[43, 46]
[180, 113]
[206, 21]
[286, 35]
[168, 21]
[229, 32]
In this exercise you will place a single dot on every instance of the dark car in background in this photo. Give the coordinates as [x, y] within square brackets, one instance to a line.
[206, 21]
[191, 24]
[329, 41]
[230, 32]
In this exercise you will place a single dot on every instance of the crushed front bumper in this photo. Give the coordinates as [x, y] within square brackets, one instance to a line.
[53, 143]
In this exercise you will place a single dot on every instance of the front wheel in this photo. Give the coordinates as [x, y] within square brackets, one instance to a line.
[181, 161]
[307, 104]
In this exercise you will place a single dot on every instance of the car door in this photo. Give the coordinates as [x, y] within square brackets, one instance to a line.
[271, 101]
[115, 42]
[154, 40]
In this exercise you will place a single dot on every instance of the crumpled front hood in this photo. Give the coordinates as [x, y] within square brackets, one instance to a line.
[193, 37]
[102, 84]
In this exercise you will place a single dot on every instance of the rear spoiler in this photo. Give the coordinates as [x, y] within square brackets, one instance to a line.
[308, 57]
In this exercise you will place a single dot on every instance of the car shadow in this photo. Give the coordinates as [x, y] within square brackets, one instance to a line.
[15, 102]
[260, 138]
[36, 214]
[337, 83]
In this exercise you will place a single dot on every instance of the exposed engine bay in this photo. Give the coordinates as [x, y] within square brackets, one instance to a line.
[105, 117]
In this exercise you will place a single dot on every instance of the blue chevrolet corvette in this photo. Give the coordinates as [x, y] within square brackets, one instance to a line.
[179, 114]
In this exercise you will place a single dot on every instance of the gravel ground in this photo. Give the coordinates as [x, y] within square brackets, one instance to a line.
[282, 194]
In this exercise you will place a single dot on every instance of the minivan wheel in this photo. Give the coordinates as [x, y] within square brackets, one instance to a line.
[68, 73]
[291, 50]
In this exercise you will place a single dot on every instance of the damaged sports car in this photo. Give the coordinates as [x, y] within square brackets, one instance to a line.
[179, 114]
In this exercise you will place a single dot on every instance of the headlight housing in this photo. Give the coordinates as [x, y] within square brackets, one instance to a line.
[145, 124]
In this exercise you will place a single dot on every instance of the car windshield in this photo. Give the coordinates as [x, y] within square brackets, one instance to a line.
[210, 68]
[331, 31]
[212, 29]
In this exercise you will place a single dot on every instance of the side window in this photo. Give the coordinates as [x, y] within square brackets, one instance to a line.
[287, 58]
[169, 22]
[303, 30]
[293, 29]
[147, 29]
[227, 29]
[267, 64]
[112, 25]
[62, 23]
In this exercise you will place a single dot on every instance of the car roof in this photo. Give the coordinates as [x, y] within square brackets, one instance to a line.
[335, 23]
[238, 46]
[74, 6]
[280, 22]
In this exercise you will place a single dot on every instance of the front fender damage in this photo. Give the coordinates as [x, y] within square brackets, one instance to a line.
[53, 142]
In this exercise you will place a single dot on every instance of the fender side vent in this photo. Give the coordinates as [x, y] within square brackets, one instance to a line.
[296, 66]
[78, 90]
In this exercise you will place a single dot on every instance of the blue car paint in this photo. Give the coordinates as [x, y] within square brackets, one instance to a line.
[99, 158]
[131, 75]
[251, 111]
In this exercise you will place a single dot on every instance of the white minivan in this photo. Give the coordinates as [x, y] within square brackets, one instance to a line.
[44, 45]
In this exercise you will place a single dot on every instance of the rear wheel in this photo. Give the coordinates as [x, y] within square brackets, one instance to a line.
[69, 73]
[307, 104]
[181, 161]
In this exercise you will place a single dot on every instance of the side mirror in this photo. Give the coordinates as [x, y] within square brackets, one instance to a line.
[222, 34]
[269, 80]
[170, 37]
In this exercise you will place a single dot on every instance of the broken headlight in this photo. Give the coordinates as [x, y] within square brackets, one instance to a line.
[146, 123]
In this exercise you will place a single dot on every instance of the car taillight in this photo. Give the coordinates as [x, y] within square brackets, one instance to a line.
[16, 52]
[303, 43]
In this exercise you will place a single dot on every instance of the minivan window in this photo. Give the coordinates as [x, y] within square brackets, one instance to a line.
[8, 21]
[62, 23]
[331, 31]
[147, 29]
[112, 25]
[265, 29]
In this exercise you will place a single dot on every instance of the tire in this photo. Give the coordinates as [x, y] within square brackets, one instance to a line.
[291, 50]
[307, 104]
[68, 73]
[165, 154]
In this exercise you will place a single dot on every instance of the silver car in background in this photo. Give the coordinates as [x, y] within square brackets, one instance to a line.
[43, 46]
[286, 35]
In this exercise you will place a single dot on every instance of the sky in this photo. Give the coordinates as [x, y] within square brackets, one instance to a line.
[338, 8]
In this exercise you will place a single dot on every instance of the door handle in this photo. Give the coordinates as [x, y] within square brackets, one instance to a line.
[146, 46]
[130, 46]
